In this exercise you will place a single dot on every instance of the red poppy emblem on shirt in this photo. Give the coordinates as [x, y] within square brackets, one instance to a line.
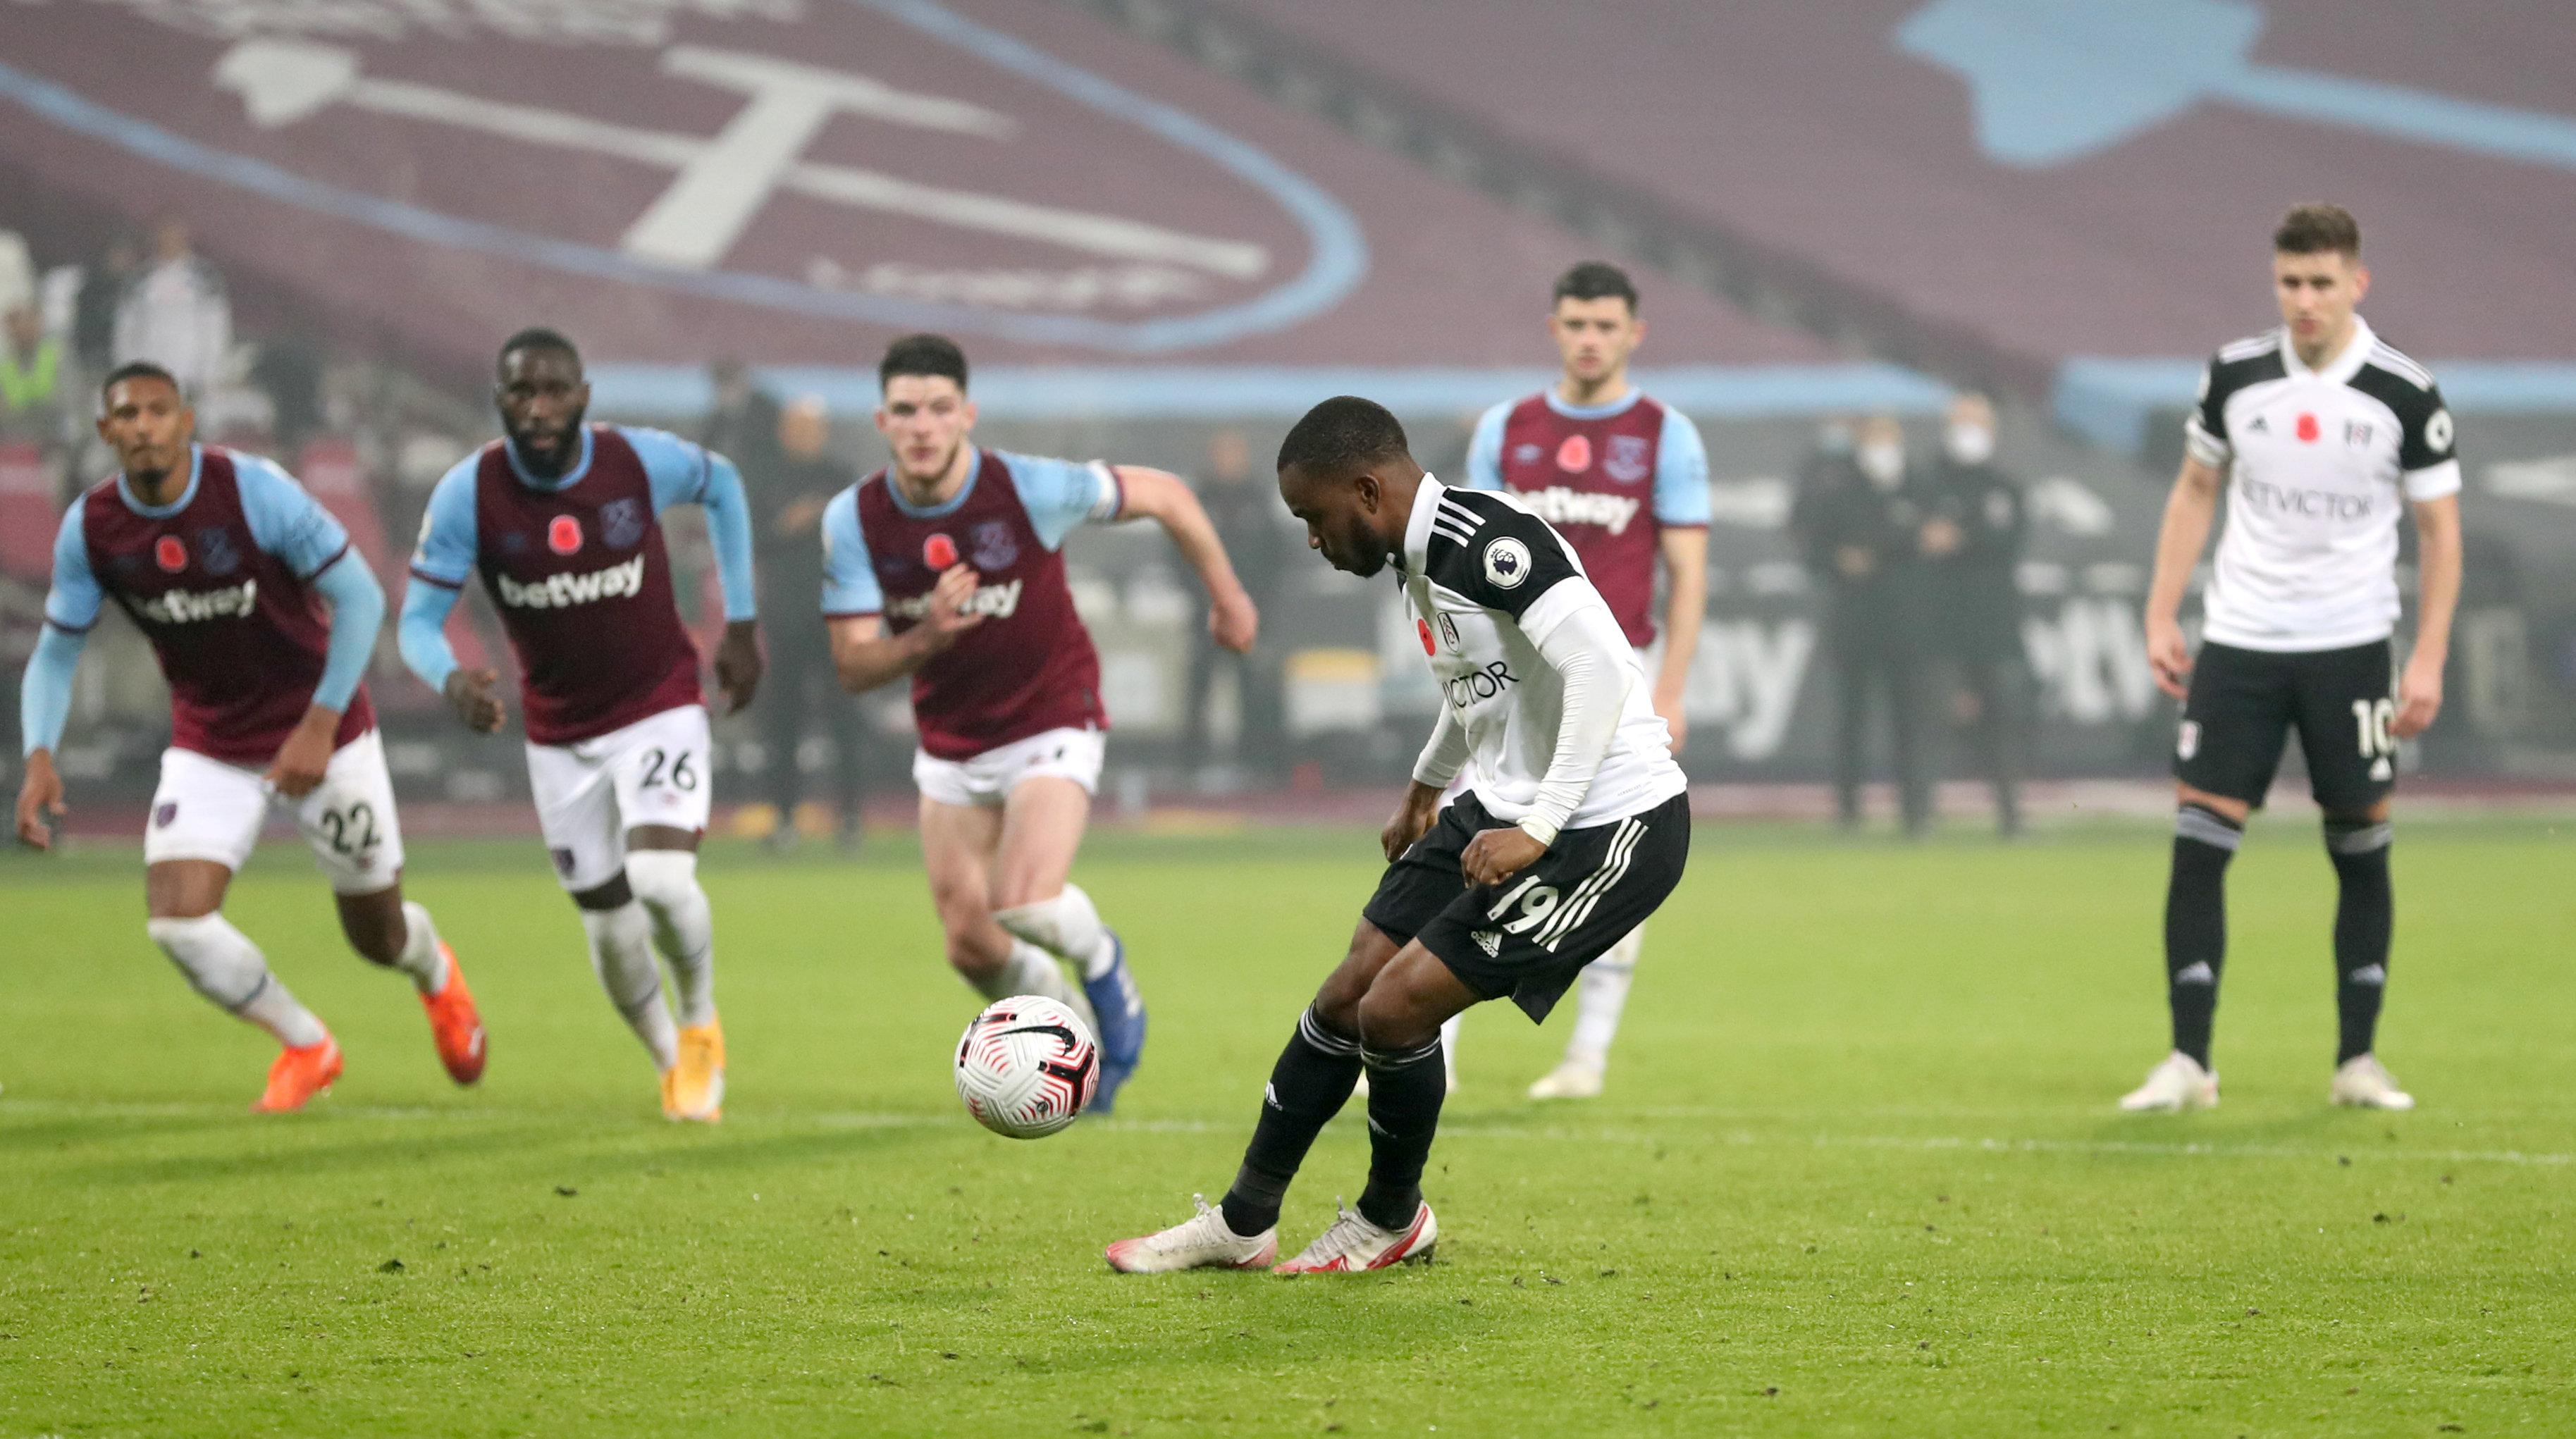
[939, 552]
[1425, 627]
[563, 534]
[170, 554]
[1575, 455]
[2308, 430]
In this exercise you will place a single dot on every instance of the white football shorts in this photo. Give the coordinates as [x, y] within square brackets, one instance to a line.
[989, 778]
[207, 809]
[591, 792]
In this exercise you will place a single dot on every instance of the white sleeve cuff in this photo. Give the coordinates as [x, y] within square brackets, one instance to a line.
[2434, 482]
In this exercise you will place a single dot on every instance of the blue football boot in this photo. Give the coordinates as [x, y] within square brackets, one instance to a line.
[1120, 1011]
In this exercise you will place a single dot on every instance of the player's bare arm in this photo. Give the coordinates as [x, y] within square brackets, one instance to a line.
[1163, 498]
[306, 753]
[1685, 607]
[2419, 688]
[1413, 818]
[40, 800]
[865, 656]
[2189, 512]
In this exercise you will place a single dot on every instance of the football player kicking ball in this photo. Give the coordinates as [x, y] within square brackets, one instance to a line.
[563, 523]
[2322, 436]
[1576, 829]
[944, 567]
[225, 563]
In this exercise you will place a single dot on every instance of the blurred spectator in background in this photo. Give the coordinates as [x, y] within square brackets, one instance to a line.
[102, 290]
[35, 382]
[1857, 519]
[176, 314]
[1246, 516]
[289, 372]
[743, 426]
[1973, 542]
[17, 273]
[787, 513]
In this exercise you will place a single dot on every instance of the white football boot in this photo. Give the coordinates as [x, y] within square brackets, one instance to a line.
[2176, 1085]
[1199, 1242]
[2362, 1083]
[1353, 1245]
[1574, 1079]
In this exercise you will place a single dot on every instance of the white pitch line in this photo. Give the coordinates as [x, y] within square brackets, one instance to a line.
[1469, 1129]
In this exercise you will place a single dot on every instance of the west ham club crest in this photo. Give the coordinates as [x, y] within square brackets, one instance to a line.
[621, 523]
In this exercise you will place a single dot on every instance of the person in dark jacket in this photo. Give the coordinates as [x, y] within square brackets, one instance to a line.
[1973, 540]
[1246, 518]
[1857, 519]
[788, 493]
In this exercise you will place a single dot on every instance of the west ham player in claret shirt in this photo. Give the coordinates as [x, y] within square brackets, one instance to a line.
[943, 567]
[225, 564]
[1625, 480]
[562, 523]
[2323, 438]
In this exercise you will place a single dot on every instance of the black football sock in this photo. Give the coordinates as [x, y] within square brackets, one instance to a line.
[2365, 909]
[2196, 923]
[1308, 1086]
[1405, 1092]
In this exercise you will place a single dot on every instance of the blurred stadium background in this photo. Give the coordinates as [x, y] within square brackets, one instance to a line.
[1156, 221]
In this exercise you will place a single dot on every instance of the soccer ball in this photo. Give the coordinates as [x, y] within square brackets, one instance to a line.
[1027, 1067]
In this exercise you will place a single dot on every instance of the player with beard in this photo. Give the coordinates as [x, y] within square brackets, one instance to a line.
[562, 521]
[1576, 827]
[944, 568]
[225, 564]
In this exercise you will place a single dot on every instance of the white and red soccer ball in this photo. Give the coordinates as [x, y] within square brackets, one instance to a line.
[1027, 1067]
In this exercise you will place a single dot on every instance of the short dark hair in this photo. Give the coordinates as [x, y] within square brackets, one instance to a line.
[1340, 436]
[922, 355]
[2315, 229]
[137, 370]
[1595, 280]
[536, 337]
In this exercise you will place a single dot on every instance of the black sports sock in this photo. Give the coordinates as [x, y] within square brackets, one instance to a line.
[1405, 1092]
[2365, 910]
[2196, 923]
[1308, 1086]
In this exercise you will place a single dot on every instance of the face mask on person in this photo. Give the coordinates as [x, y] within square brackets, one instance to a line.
[1970, 444]
[1883, 461]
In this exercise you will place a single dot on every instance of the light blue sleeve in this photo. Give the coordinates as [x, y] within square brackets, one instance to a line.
[849, 576]
[447, 550]
[421, 632]
[440, 565]
[45, 693]
[72, 604]
[683, 473]
[1681, 473]
[1485, 449]
[285, 519]
[357, 613]
[1060, 494]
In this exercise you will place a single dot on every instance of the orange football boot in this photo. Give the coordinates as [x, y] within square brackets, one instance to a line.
[454, 1023]
[298, 1075]
[694, 1087]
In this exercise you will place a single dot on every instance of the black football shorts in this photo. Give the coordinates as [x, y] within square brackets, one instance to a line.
[1526, 938]
[2244, 703]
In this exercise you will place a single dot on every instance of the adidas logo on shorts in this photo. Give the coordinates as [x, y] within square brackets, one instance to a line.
[1490, 941]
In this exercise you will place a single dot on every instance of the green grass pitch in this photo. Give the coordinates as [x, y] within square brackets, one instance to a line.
[1858, 1171]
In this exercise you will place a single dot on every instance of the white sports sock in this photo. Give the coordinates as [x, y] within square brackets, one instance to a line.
[1601, 994]
[224, 966]
[1449, 1030]
[421, 957]
[684, 927]
[1068, 925]
[1031, 970]
[621, 954]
